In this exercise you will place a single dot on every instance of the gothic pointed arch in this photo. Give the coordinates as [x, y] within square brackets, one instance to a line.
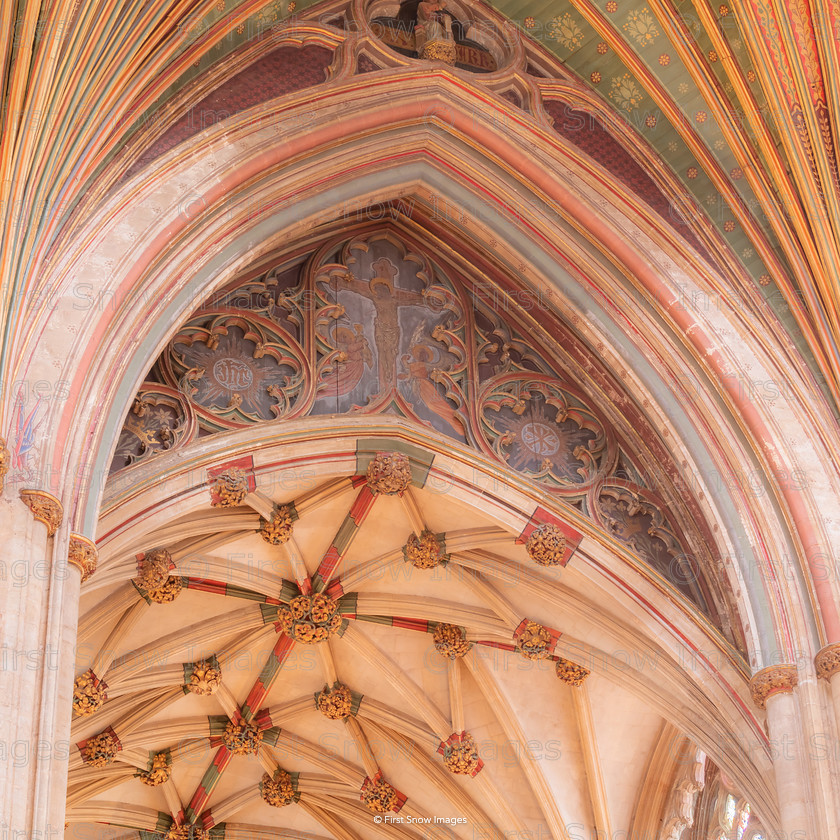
[434, 410]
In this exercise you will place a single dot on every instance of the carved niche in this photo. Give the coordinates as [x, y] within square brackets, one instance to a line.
[438, 30]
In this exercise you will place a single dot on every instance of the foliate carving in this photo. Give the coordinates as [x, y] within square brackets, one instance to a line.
[82, 553]
[237, 370]
[439, 51]
[4, 463]
[534, 641]
[278, 790]
[310, 618]
[229, 488]
[101, 749]
[777, 679]
[634, 516]
[242, 738]
[170, 590]
[543, 431]
[45, 508]
[335, 703]
[460, 755]
[547, 545]
[570, 672]
[681, 805]
[279, 529]
[204, 677]
[379, 796]
[154, 569]
[189, 831]
[158, 772]
[159, 420]
[426, 551]
[451, 641]
[89, 693]
[827, 661]
[389, 473]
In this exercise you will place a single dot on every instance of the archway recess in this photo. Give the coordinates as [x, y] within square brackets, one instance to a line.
[691, 527]
[196, 639]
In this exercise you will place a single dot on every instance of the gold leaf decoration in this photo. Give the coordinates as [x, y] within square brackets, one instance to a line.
[229, 488]
[389, 473]
[205, 677]
[570, 672]
[451, 641]
[242, 738]
[101, 749]
[460, 755]
[534, 641]
[379, 796]
[310, 619]
[278, 790]
[426, 551]
[547, 545]
[159, 771]
[279, 529]
[336, 703]
[88, 694]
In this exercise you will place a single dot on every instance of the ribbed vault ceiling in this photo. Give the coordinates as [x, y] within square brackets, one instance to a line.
[554, 755]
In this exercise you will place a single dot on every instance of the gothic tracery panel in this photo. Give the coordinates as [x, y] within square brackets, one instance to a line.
[370, 325]
[159, 419]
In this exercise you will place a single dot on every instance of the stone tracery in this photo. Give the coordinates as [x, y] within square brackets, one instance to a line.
[656, 531]
[371, 325]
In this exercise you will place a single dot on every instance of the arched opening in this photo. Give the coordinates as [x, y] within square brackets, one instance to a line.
[204, 597]
[443, 264]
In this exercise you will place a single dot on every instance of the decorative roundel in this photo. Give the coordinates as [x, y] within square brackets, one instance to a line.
[542, 430]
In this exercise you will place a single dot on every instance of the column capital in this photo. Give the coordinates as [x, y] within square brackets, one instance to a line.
[827, 661]
[82, 553]
[45, 508]
[776, 679]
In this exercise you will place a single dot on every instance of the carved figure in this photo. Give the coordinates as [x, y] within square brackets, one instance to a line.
[433, 32]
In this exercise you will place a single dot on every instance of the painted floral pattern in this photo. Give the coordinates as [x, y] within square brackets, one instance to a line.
[625, 93]
[641, 27]
[565, 30]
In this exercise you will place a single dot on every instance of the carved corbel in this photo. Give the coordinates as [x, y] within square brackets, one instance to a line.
[45, 508]
[82, 553]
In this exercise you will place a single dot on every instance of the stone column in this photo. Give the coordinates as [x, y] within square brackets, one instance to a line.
[772, 689]
[39, 596]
